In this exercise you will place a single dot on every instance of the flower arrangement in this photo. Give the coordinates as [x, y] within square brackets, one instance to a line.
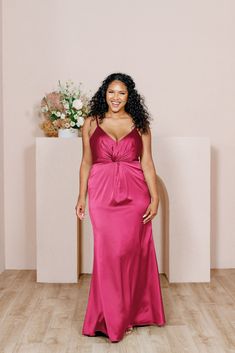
[65, 108]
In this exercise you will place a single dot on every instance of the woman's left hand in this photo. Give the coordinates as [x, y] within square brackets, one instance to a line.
[151, 211]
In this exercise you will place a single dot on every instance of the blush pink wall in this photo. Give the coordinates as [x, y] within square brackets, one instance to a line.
[181, 55]
[2, 252]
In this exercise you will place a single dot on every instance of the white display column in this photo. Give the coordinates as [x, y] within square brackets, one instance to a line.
[183, 166]
[57, 186]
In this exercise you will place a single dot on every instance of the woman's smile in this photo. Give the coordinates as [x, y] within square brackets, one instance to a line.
[115, 104]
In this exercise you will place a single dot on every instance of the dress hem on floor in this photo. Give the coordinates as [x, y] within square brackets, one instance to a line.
[120, 338]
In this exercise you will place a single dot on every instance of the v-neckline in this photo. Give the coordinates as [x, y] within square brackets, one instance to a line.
[114, 140]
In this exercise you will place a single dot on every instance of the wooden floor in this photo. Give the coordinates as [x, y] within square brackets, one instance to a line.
[48, 318]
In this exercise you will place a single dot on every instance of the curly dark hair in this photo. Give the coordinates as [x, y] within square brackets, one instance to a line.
[135, 105]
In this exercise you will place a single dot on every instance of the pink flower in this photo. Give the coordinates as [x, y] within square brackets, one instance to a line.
[53, 99]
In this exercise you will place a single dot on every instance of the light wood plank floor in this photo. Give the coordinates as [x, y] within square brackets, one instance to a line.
[48, 318]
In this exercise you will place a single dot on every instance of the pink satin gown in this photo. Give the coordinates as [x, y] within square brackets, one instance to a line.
[125, 285]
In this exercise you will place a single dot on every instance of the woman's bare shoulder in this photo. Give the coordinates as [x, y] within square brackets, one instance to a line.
[90, 118]
[90, 124]
[89, 121]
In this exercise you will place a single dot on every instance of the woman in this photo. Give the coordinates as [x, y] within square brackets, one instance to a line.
[118, 171]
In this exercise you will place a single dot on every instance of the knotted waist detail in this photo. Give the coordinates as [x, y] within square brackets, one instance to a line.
[119, 192]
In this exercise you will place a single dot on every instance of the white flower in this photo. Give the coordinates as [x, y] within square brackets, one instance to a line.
[62, 116]
[44, 109]
[58, 113]
[72, 123]
[77, 104]
[67, 125]
[66, 105]
[80, 121]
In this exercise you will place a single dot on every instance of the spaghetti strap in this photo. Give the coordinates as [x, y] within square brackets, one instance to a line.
[96, 121]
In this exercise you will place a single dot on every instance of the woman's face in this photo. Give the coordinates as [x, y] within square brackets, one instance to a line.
[116, 95]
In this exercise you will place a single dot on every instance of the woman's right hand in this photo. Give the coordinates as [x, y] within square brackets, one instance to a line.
[80, 208]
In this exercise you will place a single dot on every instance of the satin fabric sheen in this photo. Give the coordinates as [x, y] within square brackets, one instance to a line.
[125, 285]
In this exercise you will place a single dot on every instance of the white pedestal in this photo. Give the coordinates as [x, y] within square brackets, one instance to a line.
[57, 185]
[183, 166]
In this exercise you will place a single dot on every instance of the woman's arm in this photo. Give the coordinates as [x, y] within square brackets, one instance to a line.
[150, 174]
[84, 170]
